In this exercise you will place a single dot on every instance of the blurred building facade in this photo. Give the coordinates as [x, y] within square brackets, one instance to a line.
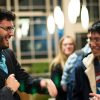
[32, 41]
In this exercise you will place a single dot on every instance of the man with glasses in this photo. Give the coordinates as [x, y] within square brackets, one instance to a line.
[12, 76]
[9, 28]
[87, 73]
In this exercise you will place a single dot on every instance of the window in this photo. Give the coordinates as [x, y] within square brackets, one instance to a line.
[93, 9]
[81, 40]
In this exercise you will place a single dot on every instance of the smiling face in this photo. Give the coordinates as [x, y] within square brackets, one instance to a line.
[68, 46]
[6, 31]
[95, 43]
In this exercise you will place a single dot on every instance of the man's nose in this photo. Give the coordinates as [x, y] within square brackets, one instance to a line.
[10, 33]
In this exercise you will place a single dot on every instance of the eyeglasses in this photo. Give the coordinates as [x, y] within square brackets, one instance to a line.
[9, 28]
[96, 39]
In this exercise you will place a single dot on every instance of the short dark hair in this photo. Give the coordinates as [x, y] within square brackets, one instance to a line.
[95, 27]
[6, 14]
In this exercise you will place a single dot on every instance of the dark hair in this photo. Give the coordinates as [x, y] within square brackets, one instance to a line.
[6, 14]
[95, 27]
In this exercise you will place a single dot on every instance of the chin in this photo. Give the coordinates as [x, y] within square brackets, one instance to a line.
[5, 47]
[96, 54]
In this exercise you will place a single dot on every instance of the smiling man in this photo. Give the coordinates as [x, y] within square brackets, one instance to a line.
[87, 74]
[11, 74]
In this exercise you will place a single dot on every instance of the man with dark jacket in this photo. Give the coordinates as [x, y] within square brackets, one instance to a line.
[11, 74]
[87, 73]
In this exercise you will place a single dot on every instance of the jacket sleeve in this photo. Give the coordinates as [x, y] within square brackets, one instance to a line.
[6, 94]
[28, 83]
[68, 69]
[56, 73]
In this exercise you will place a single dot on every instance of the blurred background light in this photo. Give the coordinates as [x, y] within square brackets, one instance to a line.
[51, 24]
[84, 17]
[73, 10]
[59, 17]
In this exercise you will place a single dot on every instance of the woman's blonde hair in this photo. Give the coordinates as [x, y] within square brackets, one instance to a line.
[61, 57]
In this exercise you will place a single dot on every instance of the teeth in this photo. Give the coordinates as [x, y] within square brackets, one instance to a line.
[98, 48]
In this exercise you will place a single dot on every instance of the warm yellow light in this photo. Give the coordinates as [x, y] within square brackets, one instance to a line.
[84, 17]
[18, 33]
[51, 24]
[73, 10]
[59, 17]
[71, 13]
[77, 7]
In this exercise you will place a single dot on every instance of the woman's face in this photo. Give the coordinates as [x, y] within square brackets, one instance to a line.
[68, 46]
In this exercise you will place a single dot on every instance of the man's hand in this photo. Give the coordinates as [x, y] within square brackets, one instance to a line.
[48, 83]
[95, 96]
[12, 83]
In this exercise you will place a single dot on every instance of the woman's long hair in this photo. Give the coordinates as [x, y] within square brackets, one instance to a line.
[61, 57]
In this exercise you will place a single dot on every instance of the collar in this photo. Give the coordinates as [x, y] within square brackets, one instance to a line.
[90, 71]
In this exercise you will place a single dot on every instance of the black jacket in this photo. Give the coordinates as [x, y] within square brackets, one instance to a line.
[6, 94]
[82, 86]
[27, 83]
[56, 74]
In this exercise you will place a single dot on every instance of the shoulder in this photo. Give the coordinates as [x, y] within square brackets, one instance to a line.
[8, 53]
[76, 55]
[86, 60]
[7, 50]
[56, 67]
[72, 58]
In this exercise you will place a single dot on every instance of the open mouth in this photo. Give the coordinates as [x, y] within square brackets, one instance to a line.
[96, 49]
[6, 37]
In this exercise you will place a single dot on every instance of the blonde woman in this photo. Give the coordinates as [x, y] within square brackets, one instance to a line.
[66, 48]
